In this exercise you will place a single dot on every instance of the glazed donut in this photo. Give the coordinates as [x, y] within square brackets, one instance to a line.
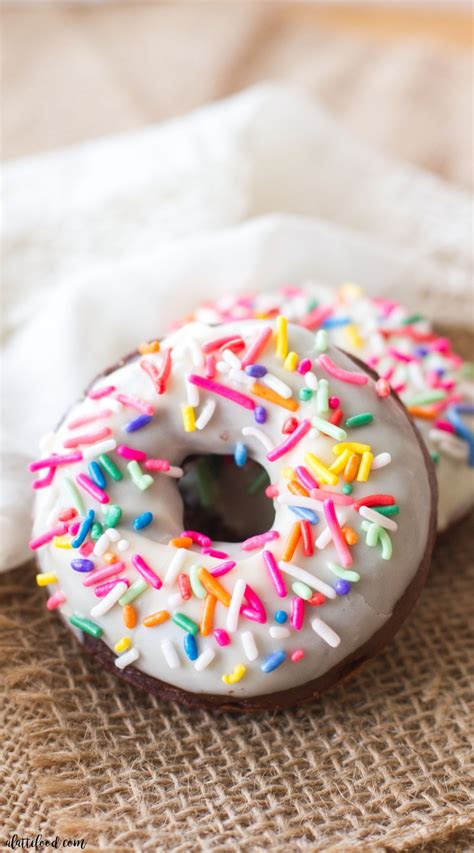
[434, 382]
[295, 606]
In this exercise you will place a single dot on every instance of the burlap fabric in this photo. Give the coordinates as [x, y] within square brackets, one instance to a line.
[383, 762]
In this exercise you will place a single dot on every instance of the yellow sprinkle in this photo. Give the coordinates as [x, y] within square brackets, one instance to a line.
[236, 675]
[291, 361]
[288, 473]
[321, 470]
[262, 315]
[350, 445]
[353, 336]
[189, 421]
[46, 578]
[340, 462]
[365, 466]
[349, 291]
[122, 645]
[282, 336]
[147, 347]
[61, 542]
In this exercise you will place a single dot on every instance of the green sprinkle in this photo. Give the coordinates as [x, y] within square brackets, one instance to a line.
[113, 515]
[302, 590]
[75, 496]
[110, 467]
[196, 584]
[329, 429]
[96, 531]
[386, 544]
[312, 304]
[372, 533]
[133, 591]
[343, 573]
[435, 456]
[413, 318]
[141, 481]
[359, 420]
[347, 489]
[377, 534]
[387, 510]
[86, 625]
[425, 399]
[322, 340]
[322, 397]
[305, 394]
[185, 623]
[259, 483]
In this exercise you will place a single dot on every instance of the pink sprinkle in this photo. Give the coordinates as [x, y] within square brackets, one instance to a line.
[42, 482]
[382, 388]
[198, 538]
[222, 568]
[297, 655]
[55, 460]
[222, 391]
[88, 419]
[372, 361]
[441, 345]
[59, 530]
[86, 548]
[210, 366]
[316, 317]
[98, 575]
[135, 403]
[305, 477]
[258, 541]
[130, 453]
[55, 600]
[157, 464]
[322, 495]
[400, 356]
[387, 374]
[444, 425]
[254, 601]
[74, 528]
[211, 552]
[257, 347]
[340, 543]
[297, 613]
[293, 439]
[146, 571]
[90, 438]
[253, 615]
[221, 636]
[275, 574]
[272, 491]
[217, 343]
[334, 402]
[98, 393]
[349, 376]
[103, 588]
[92, 489]
[304, 366]
[399, 387]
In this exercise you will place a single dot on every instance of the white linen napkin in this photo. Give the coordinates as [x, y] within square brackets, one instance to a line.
[108, 242]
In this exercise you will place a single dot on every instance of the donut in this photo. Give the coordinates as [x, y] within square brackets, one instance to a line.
[431, 379]
[236, 516]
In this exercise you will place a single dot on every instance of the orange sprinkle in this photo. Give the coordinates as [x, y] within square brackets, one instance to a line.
[291, 542]
[129, 616]
[297, 489]
[207, 614]
[272, 397]
[156, 618]
[149, 346]
[349, 534]
[351, 468]
[108, 557]
[419, 412]
[181, 542]
[214, 587]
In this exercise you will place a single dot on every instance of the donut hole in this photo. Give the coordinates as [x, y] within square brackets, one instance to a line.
[224, 501]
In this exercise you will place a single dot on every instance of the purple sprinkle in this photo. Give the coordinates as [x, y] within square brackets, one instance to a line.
[342, 587]
[260, 414]
[137, 423]
[82, 565]
[256, 370]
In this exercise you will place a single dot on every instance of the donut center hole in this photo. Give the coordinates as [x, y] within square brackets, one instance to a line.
[224, 501]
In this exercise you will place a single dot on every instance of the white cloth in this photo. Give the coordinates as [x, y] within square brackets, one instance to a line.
[109, 241]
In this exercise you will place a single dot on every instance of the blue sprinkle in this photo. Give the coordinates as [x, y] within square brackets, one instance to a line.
[273, 661]
[137, 423]
[82, 565]
[256, 370]
[143, 520]
[240, 454]
[260, 414]
[420, 352]
[86, 525]
[280, 616]
[334, 322]
[97, 475]
[454, 416]
[190, 647]
[342, 587]
[307, 514]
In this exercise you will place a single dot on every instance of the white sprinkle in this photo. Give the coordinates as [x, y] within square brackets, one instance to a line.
[197, 354]
[192, 393]
[234, 606]
[204, 659]
[325, 537]
[102, 544]
[372, 515]
[311, 380]
[381, 460]
[278, 632]
[241, 378]
[248, 643]
[222, 367]
[173, 471]
[123, 545]
[308, 578]
[128, 658]
[277, 385]
[107, 602]
[416, 375]
[170, 654]
[175, 567]
[231, 359]
[99, 447]
[260, 434]
[206, 414]
[113, 534]
[325, 632]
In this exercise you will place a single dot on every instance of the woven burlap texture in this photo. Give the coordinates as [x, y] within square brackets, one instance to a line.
[383, 762]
